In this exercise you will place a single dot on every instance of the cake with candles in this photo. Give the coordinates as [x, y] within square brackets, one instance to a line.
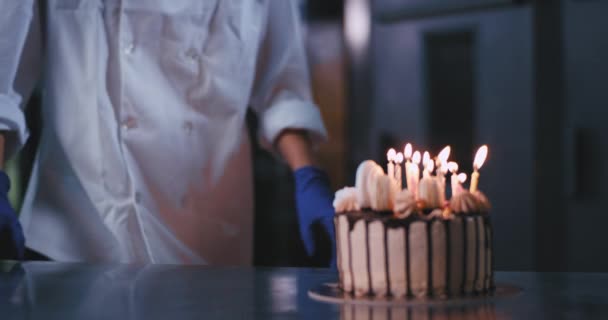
[406, 239]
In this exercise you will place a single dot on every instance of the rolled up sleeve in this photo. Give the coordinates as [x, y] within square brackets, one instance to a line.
[281, 92]
[19, 67]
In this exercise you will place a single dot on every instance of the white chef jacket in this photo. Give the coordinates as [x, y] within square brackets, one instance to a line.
[144, 154]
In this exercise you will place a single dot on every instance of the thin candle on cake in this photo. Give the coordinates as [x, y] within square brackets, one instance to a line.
[461, 179]
[480, 158]
[407, 154]
[453, 168]
[398, 161]
[390, 166]
[415, 172]
[426, 160]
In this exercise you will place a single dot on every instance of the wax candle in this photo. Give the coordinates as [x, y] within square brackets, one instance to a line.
[480, 158]
[461, 178]
[453, 167]
[390, 166]
[407, 154]
[398, 162]
[426, 158]
[428, 169]
[415, 173]
[442, 168]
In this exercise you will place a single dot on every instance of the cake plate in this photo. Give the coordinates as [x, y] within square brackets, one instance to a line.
[330, 293]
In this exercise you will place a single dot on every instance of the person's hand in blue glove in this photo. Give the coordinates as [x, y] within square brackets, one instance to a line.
[315, 211]
[12, 241]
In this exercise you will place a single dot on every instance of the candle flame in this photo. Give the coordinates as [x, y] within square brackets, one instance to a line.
[390, 155]
[444, 155]
[416, 158]
[462, 177]
[453, 166]
[399, 158]
[430, 166]
[480, 157]
[407, 152]
[426, 158]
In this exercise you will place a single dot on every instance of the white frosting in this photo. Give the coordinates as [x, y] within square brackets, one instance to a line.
[377, 258]
[363, 248]
[481, 269]
[465, 202]
[419, 250]
[429, 191]
[359, 258]
[438, 236]
[375, 190]
[346, 200]
[484, 203]
[367, 172]
[397, 261]
[405, 203]
[456, 256]
[470, 256]
[344, 258]
[382, 193]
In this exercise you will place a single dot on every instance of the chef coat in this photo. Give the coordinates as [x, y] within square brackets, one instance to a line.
[144, 154]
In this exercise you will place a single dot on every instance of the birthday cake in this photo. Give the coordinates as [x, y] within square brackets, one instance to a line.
[411, 242]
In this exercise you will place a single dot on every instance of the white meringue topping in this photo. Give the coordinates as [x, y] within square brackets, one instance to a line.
[405, 203]
[465, 202]
[367, 173]
[346, 200]
[429, 191]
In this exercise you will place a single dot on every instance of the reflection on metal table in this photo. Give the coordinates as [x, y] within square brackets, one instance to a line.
[48, 290]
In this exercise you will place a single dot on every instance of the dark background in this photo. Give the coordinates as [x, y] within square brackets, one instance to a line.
[528, 78]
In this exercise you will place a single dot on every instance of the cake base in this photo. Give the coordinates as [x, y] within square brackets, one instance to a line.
[331, 293]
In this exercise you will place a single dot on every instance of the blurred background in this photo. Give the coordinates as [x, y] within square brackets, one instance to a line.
[527, 78]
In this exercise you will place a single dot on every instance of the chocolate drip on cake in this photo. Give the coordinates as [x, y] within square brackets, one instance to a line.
[440, 255]
[386, 269]
[338, 255]
[408, 272]
[429, 241]
[350, 257]
[464, 255]
[370, 290]
[476, 277]
[448, 256]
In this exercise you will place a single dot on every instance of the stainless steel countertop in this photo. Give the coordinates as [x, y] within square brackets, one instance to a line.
[47, 290]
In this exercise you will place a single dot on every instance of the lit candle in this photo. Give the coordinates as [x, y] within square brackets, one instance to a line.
[427, 164]
[442, 169]
[442, 160]
[453, 167]
[415, 173]
[430, 166]
[461, 178]
[398, 162]
[407, 153]
[390, 167]
[480, 158]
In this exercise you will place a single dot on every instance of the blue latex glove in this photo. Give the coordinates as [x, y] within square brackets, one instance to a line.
[12, 241]
[314, 204]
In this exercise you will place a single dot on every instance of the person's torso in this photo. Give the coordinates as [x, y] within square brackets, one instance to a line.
[144, 154]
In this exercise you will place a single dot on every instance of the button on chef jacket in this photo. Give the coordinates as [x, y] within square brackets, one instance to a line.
[144, 154]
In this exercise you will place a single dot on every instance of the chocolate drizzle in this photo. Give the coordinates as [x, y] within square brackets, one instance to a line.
[481, 223]
[388, 278]
[464, 255]
[408, 274]
[429, 244]
[448, 256]
[350, 259]
[370, 291]
[338, 251]
[476, 277]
